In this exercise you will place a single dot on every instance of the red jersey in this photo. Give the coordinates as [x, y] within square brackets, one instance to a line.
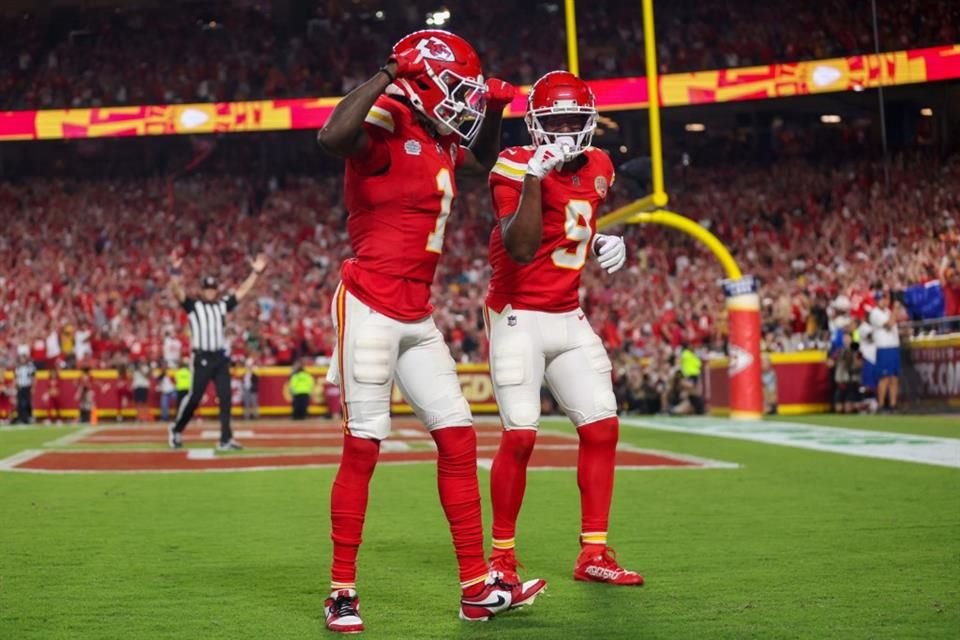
[551, 282]
[398, 215]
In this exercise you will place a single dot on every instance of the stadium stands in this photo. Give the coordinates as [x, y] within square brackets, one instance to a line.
[206, 52]
[809, 232]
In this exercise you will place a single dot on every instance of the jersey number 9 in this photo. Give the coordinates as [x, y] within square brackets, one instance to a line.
[577, 232]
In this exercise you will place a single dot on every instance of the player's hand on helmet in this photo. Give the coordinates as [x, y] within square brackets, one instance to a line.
[498, 93]
[406, 64]
[545, 159]
[611, 252]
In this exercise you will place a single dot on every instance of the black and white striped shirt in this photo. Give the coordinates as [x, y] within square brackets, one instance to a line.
[207, 320]
[24, 374]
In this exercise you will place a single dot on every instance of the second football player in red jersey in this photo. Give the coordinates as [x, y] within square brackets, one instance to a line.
[546, 198]
[402, 133]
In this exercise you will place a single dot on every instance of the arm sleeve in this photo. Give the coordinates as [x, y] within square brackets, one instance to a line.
[375, 158]
[187, 304]
[506, 200]
[380, 123]
[231, 302]
[610, 171]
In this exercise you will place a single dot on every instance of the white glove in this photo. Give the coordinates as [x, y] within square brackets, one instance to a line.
[544, 160]
[611, 252]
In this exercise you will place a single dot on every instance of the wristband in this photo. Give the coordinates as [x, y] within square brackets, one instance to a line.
[389, 75]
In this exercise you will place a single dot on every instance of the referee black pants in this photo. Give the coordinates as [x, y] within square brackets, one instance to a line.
[207, 366]
[301, 403]
[25, 405]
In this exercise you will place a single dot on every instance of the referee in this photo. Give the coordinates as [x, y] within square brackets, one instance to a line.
[209, 359]
[24, 375]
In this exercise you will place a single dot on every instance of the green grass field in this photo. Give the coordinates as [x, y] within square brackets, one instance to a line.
[792, 544]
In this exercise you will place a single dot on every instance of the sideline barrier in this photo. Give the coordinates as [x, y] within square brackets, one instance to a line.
[929, 379]
[803, 383]
[274, 396]
[930, 374]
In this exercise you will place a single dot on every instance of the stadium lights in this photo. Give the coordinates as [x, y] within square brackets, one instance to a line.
[623, 148]
[695, 127]
[830, 118]
[438, 18]
[379, 15]
[926, 111]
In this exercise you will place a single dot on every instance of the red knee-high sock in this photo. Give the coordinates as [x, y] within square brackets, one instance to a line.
[460, 498]
[348, 506]
[595, 464]
[508, 481]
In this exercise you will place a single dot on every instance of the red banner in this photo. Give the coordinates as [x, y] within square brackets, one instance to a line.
[779, 80]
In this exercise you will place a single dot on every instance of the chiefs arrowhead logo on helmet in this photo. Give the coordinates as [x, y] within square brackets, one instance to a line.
[434, 49]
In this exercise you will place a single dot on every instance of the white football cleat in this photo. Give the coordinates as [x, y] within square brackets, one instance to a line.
[342, 611]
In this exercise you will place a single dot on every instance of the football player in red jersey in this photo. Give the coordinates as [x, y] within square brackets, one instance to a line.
[403, 134]
[546, 198]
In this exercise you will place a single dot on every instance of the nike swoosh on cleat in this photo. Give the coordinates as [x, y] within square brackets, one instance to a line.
[499, 603]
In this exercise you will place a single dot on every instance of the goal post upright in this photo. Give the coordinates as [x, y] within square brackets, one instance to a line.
[573, 49]
[742, 298]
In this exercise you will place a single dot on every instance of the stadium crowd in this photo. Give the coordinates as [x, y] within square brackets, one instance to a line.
[85, 262]
[207, 52]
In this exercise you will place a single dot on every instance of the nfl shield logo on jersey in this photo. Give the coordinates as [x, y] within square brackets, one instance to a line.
[511, 321]
[412, 147]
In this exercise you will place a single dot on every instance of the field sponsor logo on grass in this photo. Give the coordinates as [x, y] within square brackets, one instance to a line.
[139, 449]
[944, 452]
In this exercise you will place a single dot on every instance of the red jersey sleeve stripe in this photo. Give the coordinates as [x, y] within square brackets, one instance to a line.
[380, 117]
[511, 170]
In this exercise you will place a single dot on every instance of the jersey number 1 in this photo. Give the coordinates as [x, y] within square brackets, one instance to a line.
[564, 257]
[445, 187]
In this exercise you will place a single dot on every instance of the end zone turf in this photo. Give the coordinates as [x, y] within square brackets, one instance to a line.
[141, 449]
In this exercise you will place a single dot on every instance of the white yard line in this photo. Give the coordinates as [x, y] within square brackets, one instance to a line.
[71, 438]
[10, 464]
[904, 447]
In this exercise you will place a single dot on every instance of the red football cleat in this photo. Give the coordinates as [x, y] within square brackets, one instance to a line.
[506, 564]
[498, 596]
[602, 566]
[342, 610]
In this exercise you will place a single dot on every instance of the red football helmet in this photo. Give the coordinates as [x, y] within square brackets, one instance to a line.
[451, 91]
[560, 93]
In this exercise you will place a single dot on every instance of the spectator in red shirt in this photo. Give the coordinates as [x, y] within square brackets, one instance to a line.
[54, 397]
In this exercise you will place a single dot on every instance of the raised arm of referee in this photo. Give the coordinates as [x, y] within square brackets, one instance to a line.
[208, 361]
